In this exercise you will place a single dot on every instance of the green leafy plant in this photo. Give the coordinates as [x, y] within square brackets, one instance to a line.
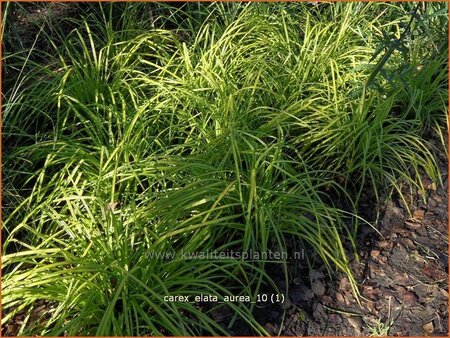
[211, 127]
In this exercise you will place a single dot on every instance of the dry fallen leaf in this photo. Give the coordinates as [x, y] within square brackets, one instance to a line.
[433, 272]
[409, 298]
[413, 224]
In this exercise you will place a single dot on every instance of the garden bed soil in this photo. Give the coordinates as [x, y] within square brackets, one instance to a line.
[402, 273]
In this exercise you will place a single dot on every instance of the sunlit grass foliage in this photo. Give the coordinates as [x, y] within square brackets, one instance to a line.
[149, 128]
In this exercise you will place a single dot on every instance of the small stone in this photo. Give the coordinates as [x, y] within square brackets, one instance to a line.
[319, 312]
[318, 288]
[327, 300]
[375, 253]
[419, 214]
[428, 328]
[335, 318]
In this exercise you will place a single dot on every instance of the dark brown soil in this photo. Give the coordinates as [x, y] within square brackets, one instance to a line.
[403, 276]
